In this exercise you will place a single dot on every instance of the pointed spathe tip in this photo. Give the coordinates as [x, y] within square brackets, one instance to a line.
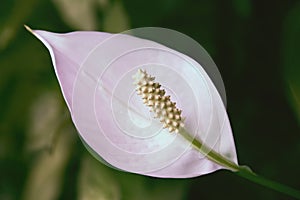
[28, 29]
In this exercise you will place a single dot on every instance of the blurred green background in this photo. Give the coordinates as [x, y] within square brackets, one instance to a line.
[255, 44]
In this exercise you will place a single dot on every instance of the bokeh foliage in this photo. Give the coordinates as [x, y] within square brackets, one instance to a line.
[256, 45]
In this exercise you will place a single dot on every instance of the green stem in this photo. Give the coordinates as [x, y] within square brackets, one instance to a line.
[246, 173]
[242, 171]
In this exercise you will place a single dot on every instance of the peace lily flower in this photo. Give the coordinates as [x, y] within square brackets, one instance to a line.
[145, 108]
[187, 134]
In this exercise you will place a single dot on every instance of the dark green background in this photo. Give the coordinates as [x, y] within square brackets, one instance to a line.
[255, 44]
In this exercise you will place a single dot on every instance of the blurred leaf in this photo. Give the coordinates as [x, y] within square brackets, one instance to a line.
[20, 12]
[242, 7]
[79, 14]
[146, 13]
[291, 50]
[44, 123]
[21, 81]
[97, 182]
[116, 19]
[46, 175]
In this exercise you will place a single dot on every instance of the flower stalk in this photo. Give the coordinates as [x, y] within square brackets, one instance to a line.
[242, 171]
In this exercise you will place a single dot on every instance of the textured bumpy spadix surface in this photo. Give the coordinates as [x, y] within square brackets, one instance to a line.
[154, 97]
